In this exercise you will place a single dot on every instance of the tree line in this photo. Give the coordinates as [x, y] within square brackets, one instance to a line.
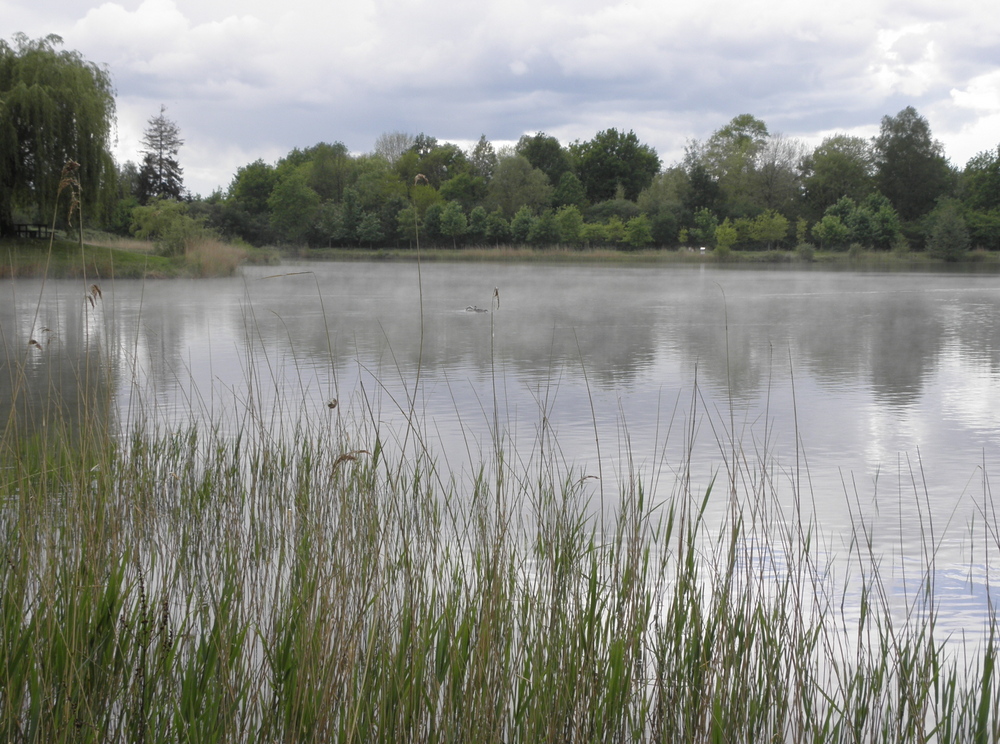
[743, 188]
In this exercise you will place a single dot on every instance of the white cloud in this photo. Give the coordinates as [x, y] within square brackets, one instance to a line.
[908, 60]
[265, 77]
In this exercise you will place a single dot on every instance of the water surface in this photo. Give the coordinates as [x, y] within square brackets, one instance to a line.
[861, 400]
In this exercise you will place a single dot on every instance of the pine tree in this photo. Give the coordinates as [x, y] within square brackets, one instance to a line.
[161, 175]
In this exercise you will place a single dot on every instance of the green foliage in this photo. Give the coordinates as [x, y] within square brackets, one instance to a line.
[614, 230]
[725, 235]
[437, 162]
[252, 185]
[516, 184]
[702, 233]
[729, 158]
[872, 224]
[638, 232]
[520, 225]
[453, 222]
[478, 224]
[841, 166]
[545, 153]
[370, 229]
[981, 181]
[483, 159]
[376, 184]
[664, 227]
[949, 236]
[570, 224]
[408, 224]
[497, 228]
[802, 230]
[294, 207]
[769, 228]
[161, 176]
[831, 232]
[332, 169]
[544, 229]
[466, 189]
[594, 233]
[614, 159]
[167, 223]
[912, 171]
[603, 211]
[431, 228]
[55, 107]
[984, 229]
[569, 192]
[423, 195]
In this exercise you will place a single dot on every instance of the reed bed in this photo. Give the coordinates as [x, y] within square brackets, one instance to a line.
[331, 583]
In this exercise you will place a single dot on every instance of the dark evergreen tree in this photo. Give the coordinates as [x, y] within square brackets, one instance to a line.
[161, 175]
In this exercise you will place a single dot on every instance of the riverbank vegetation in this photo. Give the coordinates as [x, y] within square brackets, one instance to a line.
[325, 579]
[105, 256]
[743, 189]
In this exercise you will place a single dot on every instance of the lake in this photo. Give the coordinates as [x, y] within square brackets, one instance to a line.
[868, 402]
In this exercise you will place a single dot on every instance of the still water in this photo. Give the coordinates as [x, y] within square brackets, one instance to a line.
[870, 401]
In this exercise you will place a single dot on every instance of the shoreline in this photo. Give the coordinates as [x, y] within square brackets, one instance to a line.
[26, 258]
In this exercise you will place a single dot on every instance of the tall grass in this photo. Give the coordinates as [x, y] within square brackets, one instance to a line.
[184, 584]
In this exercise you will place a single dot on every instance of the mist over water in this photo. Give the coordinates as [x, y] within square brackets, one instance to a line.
[866, 399]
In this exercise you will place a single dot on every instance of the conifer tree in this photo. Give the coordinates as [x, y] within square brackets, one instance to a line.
[161, 175]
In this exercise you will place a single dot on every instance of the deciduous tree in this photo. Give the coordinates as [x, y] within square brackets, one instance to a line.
[840, 166]
[570, 224]
[912, 171]
[638, 232]
[392, 145]
[981, 181]
[614, 159]
[730, 158]
[516, 184]
[544, 152]
[454, 223]
[55, 107]
[293, 205]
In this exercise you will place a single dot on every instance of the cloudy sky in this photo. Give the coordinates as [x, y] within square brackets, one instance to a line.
[248, 79]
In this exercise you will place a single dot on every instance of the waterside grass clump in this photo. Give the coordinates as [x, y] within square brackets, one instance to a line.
[105, 257]
[179, 584]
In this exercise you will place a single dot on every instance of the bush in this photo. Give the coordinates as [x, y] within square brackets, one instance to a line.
[949, 238]
[166, 222]
[806, 252]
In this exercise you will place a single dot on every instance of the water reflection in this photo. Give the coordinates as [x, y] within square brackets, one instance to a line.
[54, 366]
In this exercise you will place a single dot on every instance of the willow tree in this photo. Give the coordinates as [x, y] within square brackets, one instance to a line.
[55, 107]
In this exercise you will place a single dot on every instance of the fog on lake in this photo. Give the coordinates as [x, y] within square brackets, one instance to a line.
[862, 398]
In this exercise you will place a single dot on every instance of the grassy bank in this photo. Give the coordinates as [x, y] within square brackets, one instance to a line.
[166, 585]
[105, 257]
[828, 259]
